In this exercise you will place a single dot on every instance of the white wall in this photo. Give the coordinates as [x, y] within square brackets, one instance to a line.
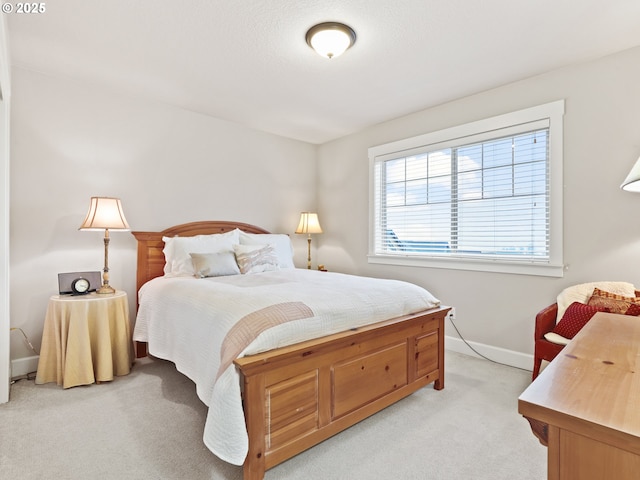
[601, 230]
[5, 87]
[71, 141]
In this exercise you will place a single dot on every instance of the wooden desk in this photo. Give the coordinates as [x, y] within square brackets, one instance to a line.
[86, 339]
[589, 400]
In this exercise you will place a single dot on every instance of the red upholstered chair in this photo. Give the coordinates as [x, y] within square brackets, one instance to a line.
[614, 296]
[544, 349]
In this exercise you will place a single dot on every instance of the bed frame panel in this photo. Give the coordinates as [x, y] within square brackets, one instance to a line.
[297, 396]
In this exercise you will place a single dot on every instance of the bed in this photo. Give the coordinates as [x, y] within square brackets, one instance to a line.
[295, 392]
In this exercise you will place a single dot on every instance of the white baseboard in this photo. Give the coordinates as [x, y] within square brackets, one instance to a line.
[23, 366]
[501, 355]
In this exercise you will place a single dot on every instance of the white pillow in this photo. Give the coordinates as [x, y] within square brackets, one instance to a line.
[281, 243]
[215, 264]
[256, 258]
[177, 250]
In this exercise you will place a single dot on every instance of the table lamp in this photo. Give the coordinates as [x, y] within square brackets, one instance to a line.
[309, 224]
[105, 213]
[632, 182]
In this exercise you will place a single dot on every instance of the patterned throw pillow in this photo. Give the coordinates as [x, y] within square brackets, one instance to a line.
[575, 317]
[256, 258]
[613, 302]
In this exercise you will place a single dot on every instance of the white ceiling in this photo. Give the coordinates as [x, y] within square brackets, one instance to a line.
[247, 61]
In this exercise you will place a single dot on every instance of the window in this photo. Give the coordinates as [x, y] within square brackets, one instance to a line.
[483, 196]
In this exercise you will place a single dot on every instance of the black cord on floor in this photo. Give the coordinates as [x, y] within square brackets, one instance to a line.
[28, 376]
[477, 352]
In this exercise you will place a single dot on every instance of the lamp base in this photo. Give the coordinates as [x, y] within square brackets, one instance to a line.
[105, 289]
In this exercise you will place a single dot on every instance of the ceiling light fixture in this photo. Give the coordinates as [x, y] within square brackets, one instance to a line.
[330, 39]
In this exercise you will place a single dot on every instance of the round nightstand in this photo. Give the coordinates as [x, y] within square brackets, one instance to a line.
[86, 339]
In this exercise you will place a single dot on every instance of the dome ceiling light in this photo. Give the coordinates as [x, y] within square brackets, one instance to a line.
[330, 39]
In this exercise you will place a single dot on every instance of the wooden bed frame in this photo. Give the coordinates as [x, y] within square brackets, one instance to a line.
[297, 396]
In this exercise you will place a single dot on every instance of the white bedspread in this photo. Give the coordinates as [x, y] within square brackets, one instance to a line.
[185, 320]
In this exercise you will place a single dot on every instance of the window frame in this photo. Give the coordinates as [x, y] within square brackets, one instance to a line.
[552, 113]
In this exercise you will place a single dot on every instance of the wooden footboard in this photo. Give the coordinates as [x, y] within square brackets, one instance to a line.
[295, 397]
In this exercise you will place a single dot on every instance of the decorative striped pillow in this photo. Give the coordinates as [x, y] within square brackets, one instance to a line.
[612, 302]
[256, 258]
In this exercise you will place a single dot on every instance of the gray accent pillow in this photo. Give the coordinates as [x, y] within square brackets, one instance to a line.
[214, 264]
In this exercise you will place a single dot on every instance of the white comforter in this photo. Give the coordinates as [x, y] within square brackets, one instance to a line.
[185, 320]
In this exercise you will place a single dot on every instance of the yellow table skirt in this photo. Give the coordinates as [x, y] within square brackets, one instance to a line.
[85, 339]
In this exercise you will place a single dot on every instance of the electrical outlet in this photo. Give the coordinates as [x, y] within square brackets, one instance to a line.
[452, 313]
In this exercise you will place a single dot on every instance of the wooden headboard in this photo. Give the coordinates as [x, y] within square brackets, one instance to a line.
[150, 244]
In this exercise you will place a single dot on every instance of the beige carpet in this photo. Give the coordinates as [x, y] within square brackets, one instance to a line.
[148, 425]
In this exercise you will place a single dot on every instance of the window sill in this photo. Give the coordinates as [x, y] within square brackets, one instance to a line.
[544, 270]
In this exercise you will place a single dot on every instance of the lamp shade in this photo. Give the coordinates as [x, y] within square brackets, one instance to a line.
[632, 182]
[309, 223]
[330, 39]
[105, 213]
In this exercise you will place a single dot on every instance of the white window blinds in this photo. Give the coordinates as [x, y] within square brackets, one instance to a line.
[482, 197]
